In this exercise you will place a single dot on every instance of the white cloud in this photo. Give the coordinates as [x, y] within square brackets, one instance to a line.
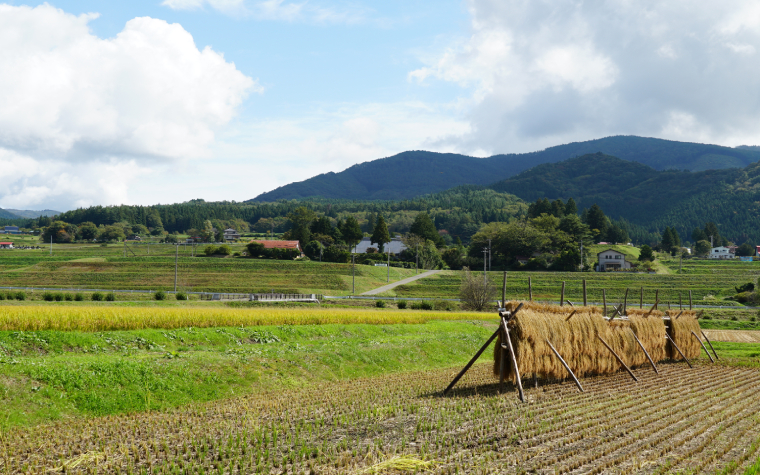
[542, 72]
[281, 10]
[227, 6]
[74, 101]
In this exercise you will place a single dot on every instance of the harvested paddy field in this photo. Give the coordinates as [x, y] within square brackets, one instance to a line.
[736, 336]
[699, 420]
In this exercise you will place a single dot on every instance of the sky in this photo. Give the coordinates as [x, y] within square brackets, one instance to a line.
[163, 101]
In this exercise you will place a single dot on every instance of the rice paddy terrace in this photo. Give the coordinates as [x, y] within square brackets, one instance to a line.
[702, 420]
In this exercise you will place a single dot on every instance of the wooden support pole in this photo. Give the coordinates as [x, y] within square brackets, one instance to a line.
[678, 349]
[585, 301]
[578, 383]
[571, 315]
[502, 361]
[514, 360]
[616, 312]
[641, 298]
[530, 289]
[690, 300]
[645, 351]
[656, 298]
[652, 309]
[535, 380]
[604, 301]
[472, 361]
[562, 297]
[679, 315]
[625, 304]
[680, 304]
[618, 358]
[703, 347]
[504, 291]
[708, 342]
[570, 303]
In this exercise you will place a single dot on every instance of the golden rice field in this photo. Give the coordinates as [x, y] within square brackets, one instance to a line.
[99, 318]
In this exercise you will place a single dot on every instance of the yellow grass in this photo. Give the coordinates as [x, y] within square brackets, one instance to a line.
[100, 318]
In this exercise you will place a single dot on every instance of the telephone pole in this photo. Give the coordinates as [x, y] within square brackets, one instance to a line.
[388, 251]
[353, 274]
[176, 257]
[485, 277]
[489, 254]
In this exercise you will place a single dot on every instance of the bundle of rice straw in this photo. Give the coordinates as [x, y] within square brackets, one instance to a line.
[680, 331]
[577, 340]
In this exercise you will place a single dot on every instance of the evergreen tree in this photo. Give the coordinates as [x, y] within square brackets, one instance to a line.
[668, 240]
[352, 232]
[699, 235]
[321, 226]
[423, 227]
[380, 234]
[711, 230]
[646, 253]
[558, 208]
[571, 207]
[597, 222]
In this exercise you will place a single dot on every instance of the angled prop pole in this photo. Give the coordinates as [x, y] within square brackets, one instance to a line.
[708, 342]
[514, 360]
[645, 352]
[556, 353]
[678, 349]
[472, 361]
[625, 366]
[703, 347]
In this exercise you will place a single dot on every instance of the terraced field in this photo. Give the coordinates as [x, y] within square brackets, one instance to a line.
[702, 420]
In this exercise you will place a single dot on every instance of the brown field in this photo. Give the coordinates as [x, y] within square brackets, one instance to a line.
[698, 420]
[737, 336]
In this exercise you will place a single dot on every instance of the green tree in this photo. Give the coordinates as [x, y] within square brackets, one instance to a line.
[60, 231]
[711, 230]
[558, 208]
[646, 254]
[570, 207]
[380, 234]
[746, 249]
[321, 226]
[423, 227]
[351, 232]
[597, 222]
[112, 233]
[88, 231]
[699, 235]
[139, 230]
[255, 249]
[702, 248]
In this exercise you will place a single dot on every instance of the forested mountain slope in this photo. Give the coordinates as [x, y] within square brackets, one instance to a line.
[647, 197]
[411, 174]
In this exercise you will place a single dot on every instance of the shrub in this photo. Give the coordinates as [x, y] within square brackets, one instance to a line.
[97, 296]
[210, 250]
[707, 317]
[425, 305]
[110, 297]
[160, 295]
[68, 297]
[401, 304]
[181, 296]
[224, 250]
[753, 318]
[79, 297]
[380, 303]
[48, 297]
[744, 297]
[20, 295]
[58, 297]
[444, 305]
[474, 292]
[2, 296]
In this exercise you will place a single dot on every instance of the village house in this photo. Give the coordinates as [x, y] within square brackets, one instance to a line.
[6, 245]
[611, 260]
[294, 245]
[10, 230]
[231, 235]
[721, 252]
[395, 247]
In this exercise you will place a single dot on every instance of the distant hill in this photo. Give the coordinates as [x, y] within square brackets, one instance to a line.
[5, 214]
[26, 213]
[411, 174]
[647, 197]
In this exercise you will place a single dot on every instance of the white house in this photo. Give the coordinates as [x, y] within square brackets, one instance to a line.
[231, 234]
[394, 247]
[721, 252]
[612, 260]
[6, 245]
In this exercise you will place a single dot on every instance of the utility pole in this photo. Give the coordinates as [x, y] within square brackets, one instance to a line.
[176, 257]
[388, 251]
[353, 274]
[51, 244]
[489, 254]
[485, 278]
[416, 259]
[581, 255]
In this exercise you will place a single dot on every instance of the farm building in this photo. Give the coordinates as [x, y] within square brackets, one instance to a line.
[280, 244]
[611, 259]
[231, 234]
[10, 230]
[394, 247]
[6, 245]
[721, 252]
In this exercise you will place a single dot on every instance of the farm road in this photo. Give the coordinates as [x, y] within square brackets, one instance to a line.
[388, 287]
[737, 336]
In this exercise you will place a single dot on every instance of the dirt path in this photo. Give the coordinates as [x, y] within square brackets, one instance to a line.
[737, 336]
[388, 287]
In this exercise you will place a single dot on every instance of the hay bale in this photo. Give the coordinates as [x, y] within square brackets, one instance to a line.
[680, 330]
[576, 340]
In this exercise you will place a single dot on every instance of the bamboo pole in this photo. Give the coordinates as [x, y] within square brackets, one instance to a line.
[708, 342]
[703, 347]
[562, 298]
[472, 361]
[585, 301]
[578, 383]
[645, 351]
[618, 358]
[514, 360]
[504, 291]
[530, 289]
[652, 309]
[678, 349]
[604, 301]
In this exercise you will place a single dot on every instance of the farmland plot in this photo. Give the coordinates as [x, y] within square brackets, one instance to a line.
[699, 420]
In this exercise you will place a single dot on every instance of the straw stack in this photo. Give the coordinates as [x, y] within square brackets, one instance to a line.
[577, 340]
[680, 331]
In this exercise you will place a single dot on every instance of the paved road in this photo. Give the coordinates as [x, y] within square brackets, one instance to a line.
[388, 287]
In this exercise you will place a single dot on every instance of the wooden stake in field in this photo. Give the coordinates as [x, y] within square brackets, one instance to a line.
[512, 355]
[530, 289]
[680, 305]
[690, 300]
[708, 342]
[625, 303]
[656, 298]
[645, 351]
[585, 302]
[641, 298]
[678, 349]
[604, 301]
[625, 366]
[578, 383]
[504, 291]
[703, 347]
[562, 297]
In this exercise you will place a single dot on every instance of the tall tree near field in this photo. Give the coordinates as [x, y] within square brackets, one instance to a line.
[558, 208]
[423, 227]
[352, 232]
[380, 234]
[699, 235]
[646, 254]
[667, 242]
[321, 226]
[597, 222]
[571, 207]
